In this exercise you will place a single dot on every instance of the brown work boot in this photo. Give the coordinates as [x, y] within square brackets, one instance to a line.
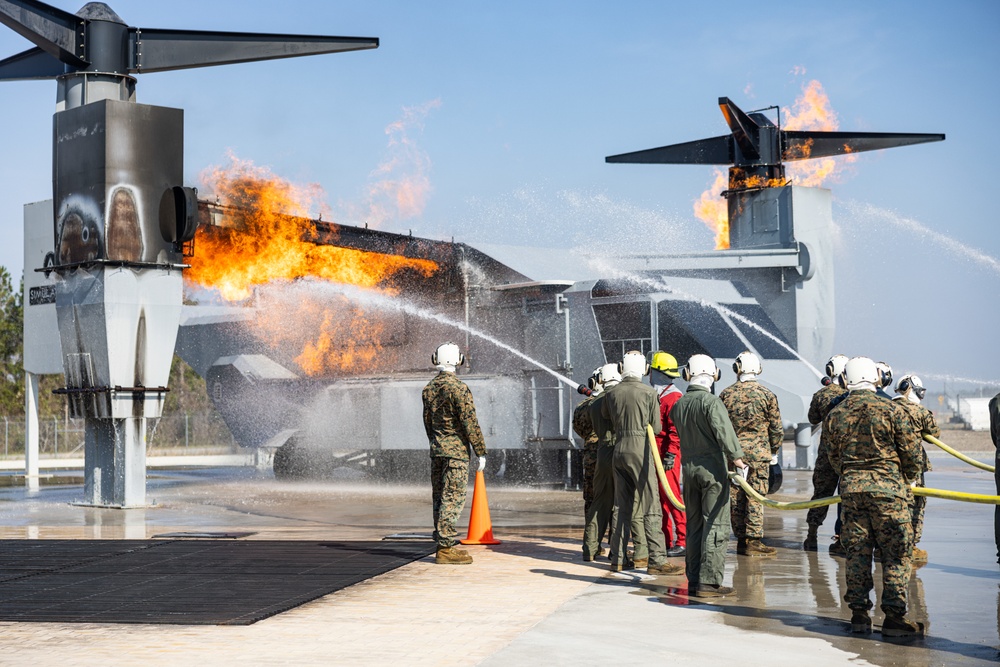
[861, 622]
[640, 563]
[618, 567]
[810, 543]
[754, 547]
[710, 591]
[918, 555]
[897, 625]
[837, 549]
[666, 569]
[452, 556]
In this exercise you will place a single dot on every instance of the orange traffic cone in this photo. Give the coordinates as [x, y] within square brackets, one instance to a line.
[480, 526]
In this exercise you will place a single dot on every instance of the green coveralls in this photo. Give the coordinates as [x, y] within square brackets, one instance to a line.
[707, 441]
[631, 406]
[601, 512]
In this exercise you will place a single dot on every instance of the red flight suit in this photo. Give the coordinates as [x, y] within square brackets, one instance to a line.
[668, 443]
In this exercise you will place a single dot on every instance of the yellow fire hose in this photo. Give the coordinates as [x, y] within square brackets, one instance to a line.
[959, 455]
[807, 504]
[662, 476]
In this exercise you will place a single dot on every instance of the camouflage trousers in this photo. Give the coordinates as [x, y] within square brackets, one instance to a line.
[449, 486]
[881, 522]
[746, 514]
[589, 468]
[825, 480]
[917, 506]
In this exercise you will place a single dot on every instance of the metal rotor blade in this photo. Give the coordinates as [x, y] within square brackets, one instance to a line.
[58, 33]
[804, 145]
[745, 130]
[30, 64]
[716, 150]
[165, 50]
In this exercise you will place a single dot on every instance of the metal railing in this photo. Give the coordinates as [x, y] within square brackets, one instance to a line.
[59, 437]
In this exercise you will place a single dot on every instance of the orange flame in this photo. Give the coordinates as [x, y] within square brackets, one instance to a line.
[264, 243]
[811, 111]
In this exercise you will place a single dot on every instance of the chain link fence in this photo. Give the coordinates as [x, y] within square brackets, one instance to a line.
[200, 433]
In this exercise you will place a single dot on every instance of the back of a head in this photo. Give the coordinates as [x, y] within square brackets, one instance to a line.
[666, 363]
[701, 369]
[594, 382]
[885, 374]
[912, 387]
[447, 356]
[610, 376]
[835, 366]
[861, 373]
[633, 365]
[747, 364]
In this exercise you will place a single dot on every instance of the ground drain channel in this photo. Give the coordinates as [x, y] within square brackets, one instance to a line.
[186, 582]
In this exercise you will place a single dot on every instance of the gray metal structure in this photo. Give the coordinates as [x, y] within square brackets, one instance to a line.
[121, 213]
[771, 292]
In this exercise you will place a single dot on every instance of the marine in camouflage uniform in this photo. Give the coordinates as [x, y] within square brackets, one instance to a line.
[630, 406]
[922, 421]
[824, 478]
[874, 449]
[583, 426]
[600, 515]
[452, 429]
[753, 411]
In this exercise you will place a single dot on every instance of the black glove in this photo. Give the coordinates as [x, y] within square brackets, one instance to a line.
[668, 461]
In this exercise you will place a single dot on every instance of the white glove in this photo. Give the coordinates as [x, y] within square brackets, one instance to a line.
[482, 463]
[744, 471]
[774, 460]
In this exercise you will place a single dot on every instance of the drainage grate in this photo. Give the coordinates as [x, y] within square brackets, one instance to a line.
[194, 582]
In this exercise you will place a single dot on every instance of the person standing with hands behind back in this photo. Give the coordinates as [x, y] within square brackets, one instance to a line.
[452, 429]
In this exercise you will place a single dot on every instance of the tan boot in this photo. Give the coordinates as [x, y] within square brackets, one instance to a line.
[897, 625]
[639, 563]
[754, 547]
[452, 556]
[918, 555]
[668, 569]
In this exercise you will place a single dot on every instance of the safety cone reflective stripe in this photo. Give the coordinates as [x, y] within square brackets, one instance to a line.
[480, 526]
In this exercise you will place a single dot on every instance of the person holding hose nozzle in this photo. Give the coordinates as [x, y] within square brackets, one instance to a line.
[452, 429]
[874, 449]
[910, 392]
[631, 407]
[583, 426]
[600, 516]
[753, 411]
[824, 479]
[707, 442]
[663, 370]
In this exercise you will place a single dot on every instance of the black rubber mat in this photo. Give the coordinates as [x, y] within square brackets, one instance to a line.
[194, 582]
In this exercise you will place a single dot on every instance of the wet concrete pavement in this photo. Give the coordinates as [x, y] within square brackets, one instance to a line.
[529, 599]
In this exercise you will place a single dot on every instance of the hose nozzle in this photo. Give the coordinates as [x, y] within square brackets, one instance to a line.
[585, 390]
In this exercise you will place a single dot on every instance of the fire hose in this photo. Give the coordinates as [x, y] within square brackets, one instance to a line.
[959, 455]
[805, 504]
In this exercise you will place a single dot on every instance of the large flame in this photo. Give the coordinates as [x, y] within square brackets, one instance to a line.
[811, 111]
[263, 242]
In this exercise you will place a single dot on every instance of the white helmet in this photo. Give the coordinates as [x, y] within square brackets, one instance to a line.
[700, 364]
[859, 371]
[594, 381]
[633, 364]
[911, 382]
[885, 374]
[747, 363]
[448, 354]
[835, 366]
[609, 375]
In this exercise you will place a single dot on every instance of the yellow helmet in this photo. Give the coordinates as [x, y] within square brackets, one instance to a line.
[665, 363]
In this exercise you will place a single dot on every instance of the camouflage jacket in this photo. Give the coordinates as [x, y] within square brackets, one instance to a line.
[707, 436]
[872, 446]
[450, 418]
[922, 421]
[602, 425]
[820, 404]
[583, 424]
[753, 411]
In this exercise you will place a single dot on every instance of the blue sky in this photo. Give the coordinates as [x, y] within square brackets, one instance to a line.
[510, 108]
